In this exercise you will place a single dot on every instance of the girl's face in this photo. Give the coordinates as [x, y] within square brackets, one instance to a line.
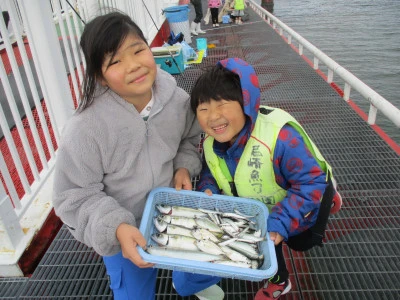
[223, 119]
[131, 72]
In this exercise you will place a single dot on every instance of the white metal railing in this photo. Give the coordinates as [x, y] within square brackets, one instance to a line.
[53, 30]
[377, 102]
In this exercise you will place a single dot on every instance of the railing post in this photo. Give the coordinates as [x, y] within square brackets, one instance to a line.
[48, 58]
[346, 92]
[316, 63]
[9, 221]
[373, 111]
[9, 184]
[330, 75]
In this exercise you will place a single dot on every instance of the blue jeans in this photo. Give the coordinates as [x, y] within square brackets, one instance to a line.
[129, 282]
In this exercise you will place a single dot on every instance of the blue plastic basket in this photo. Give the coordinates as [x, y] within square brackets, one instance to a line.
[226, 19]
[223, 203]
[176, 14]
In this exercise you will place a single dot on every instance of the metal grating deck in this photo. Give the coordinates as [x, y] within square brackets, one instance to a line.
[361, 257]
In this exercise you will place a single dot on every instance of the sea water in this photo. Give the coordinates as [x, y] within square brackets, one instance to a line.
[363, 36]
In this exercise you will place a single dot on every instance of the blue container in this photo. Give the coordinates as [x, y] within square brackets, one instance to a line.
[172, 64]
[178, 20]
[226, 19]
[202, 45]
[171, 196]
[176, 14]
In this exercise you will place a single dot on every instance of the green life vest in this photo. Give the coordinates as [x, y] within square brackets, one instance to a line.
[254, 176]
[239, 5]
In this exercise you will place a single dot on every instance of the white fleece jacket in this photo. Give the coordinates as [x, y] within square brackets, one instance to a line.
[109, 159]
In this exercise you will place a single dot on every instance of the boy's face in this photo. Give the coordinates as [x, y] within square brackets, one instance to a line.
[223, 119]
[131, 72]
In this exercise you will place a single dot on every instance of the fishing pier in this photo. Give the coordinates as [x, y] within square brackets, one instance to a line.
[360, 258]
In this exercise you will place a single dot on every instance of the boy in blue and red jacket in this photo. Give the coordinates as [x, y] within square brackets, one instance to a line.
[263, 153]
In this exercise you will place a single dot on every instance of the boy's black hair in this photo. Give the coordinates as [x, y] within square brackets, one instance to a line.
[216, 83]
[101, 36]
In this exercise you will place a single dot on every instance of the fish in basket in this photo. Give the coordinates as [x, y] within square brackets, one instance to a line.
[214, 235]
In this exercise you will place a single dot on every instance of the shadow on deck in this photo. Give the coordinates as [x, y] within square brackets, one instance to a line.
[360, 259]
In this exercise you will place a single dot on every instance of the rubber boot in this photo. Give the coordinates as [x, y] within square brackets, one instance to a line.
[193, 28]
[198, 29]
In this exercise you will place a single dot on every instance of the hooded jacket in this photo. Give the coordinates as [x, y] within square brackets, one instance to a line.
[214, 3]
[304, 184]
[110, 158]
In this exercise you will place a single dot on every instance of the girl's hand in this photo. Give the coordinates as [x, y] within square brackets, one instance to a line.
[276, 238]
[182, 180]
[129, 237]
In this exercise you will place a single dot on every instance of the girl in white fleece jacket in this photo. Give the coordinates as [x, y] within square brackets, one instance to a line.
[133, 131]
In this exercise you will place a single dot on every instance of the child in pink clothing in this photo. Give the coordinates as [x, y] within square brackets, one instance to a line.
[214, 5]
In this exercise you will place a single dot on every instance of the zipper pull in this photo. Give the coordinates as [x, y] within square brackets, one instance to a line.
[148, 130]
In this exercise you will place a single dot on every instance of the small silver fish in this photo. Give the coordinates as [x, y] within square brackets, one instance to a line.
[231, 231]
[179, 221]
[204, 234]
[209, 247]
[255, 264]
[231, 223]
[180, 211]
[250, 238]
[208, 224]
[231, 263]
[164, 227]
[183, 254]
[242, 214]
[160, 224]
[175, 241]
[178, 230]
[235, 255]
[237, 216]
[246, 249]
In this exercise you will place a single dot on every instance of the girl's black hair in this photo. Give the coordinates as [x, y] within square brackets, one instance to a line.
[216, 83]
[101, 36]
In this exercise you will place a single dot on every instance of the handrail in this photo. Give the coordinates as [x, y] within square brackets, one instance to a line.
[377, 102]
[22, 213]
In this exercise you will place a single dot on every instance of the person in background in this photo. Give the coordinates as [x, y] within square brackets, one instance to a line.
[226, 9]
[214, 7]
[133, 131]
[263, 153]
[195, 26]
[238, 11]
[6, 18]
[207, 16]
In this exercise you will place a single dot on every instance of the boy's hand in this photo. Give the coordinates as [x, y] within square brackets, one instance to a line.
[276, 238]
[182, 180]
[129, 237]
[208, 192]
